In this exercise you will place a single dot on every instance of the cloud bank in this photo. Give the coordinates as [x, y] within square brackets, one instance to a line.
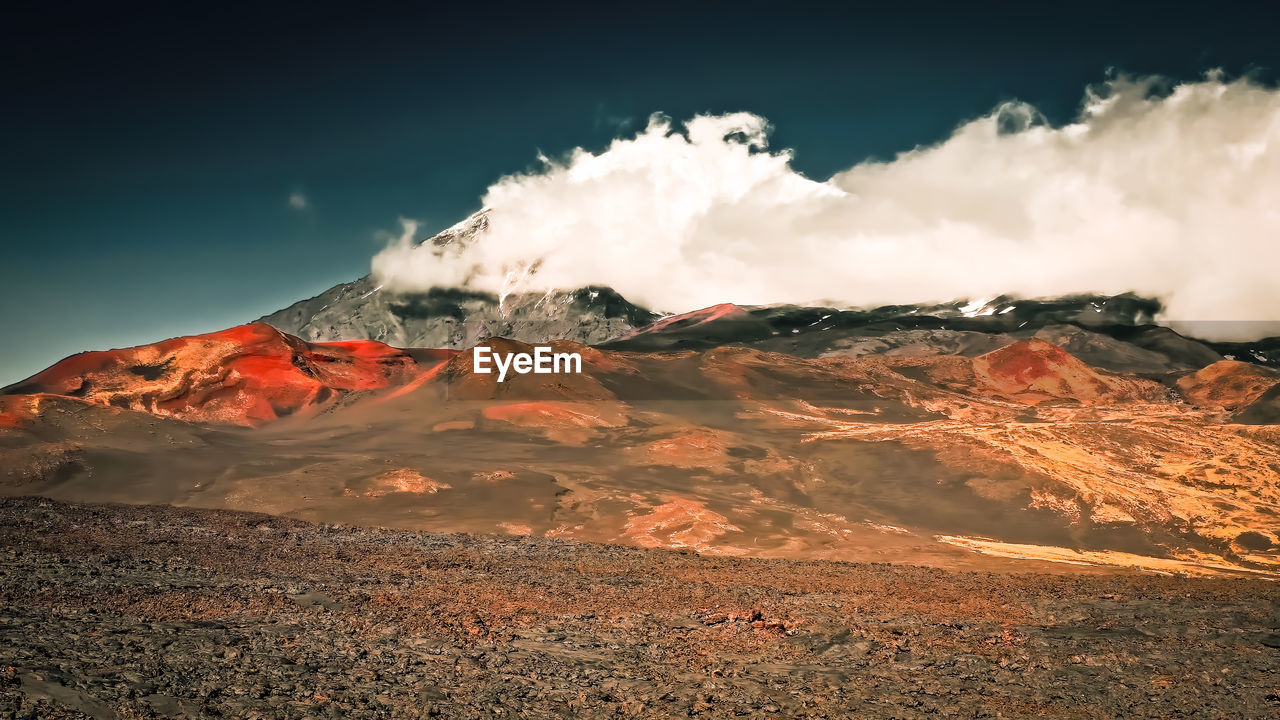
[1168, 191]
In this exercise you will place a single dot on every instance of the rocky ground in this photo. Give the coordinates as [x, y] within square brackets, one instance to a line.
[138, 612]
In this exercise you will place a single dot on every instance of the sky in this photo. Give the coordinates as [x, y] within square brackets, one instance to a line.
[179, 168]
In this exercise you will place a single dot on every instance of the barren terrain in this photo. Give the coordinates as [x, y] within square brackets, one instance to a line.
[1022, 451]
[143, 612]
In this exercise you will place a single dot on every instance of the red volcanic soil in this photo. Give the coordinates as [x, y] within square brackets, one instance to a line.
[1227, 384]
[243, 376]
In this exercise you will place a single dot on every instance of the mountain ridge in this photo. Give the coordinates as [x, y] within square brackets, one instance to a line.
[1089, 325]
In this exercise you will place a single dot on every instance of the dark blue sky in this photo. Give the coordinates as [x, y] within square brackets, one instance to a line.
[149, 150]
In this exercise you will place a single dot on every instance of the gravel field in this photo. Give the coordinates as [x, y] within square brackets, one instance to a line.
[110, 611]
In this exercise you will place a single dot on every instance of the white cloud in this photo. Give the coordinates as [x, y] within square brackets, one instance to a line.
[298, 200]
[1171, 195]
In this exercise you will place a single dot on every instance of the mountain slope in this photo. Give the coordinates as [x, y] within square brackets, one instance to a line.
[247, 375]
[1026, 451]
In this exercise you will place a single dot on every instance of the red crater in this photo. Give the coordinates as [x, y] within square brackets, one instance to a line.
[246, 375]
[1035, 371]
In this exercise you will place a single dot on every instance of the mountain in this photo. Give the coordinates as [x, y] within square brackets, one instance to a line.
[458, 317]
[1117, 332]
[1026, 451]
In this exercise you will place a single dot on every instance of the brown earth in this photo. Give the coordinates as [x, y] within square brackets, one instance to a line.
[146, 612]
